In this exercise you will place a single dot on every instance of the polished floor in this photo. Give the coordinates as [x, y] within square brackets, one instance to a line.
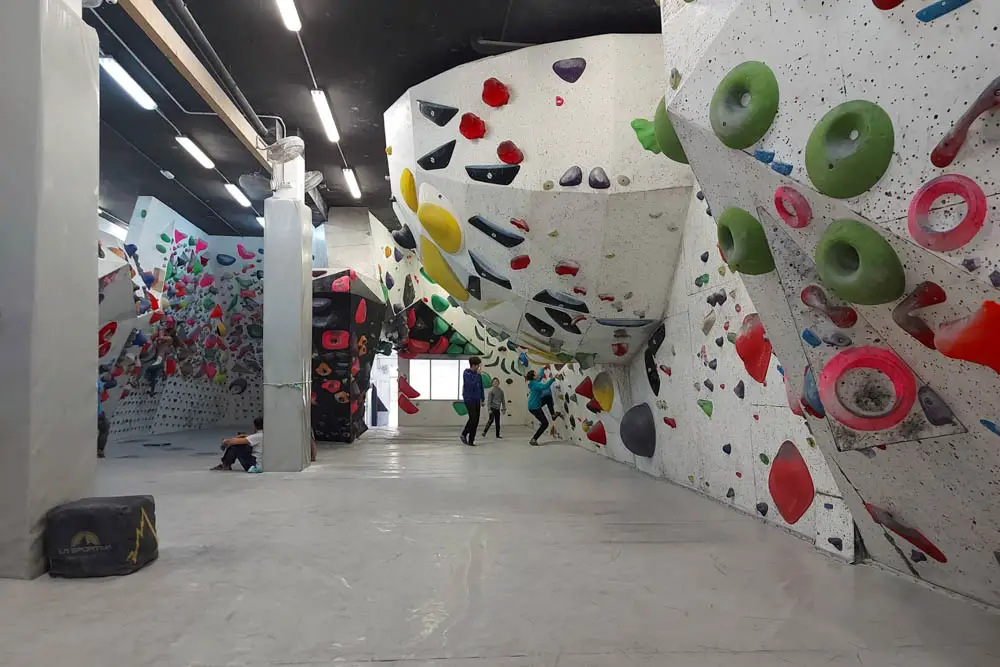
[409, 549]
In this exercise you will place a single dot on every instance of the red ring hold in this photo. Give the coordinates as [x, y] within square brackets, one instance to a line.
[876, 358]
[802, 213]
[960, 234]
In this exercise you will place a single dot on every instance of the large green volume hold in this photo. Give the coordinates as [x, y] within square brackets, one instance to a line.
[744, 105]
[743, 243]
[850, 149]
[858, 264]
[666, 137]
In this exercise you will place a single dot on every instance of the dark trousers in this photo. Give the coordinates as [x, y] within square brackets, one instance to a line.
[494, 417]
[543, 422]
[547, 400]
[473, 423]
[242, 452]
[102, 432]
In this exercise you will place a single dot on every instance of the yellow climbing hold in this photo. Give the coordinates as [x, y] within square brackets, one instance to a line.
[604, 390]
[388, 150]
[408, 188]
[441, 225]
[437, 268]
[388, 251]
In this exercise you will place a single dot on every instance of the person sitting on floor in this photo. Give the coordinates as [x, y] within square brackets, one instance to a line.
[245, 448]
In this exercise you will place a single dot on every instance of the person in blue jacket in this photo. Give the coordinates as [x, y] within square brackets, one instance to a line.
[536, 387]
[473, 395]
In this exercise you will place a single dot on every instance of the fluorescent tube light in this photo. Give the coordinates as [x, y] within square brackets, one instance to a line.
[196, 152]
[352, 183]
[289, 15]
[128, 84]
[238, 195]
[325, 115]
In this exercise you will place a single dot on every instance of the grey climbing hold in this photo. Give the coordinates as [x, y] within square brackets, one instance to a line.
[573, 176]
[598, 179]
[475, 288]
[638, 430]
[494, 174]
[739, 389]
[713, 364]
[486, 271]
[709, 385]
[569, 69]
[704, 256]
[439, 114]
[628, 323]
[439, 158]
[540, 325]
[564, 320]
[404, 238]
[502, 236]
[762, 509]
[837, 543]
[936, 410]
[560, 299]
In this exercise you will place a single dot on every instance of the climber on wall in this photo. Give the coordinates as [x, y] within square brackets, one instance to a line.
[474, 397]
[162, 343]
[547, 399]
[535, 389]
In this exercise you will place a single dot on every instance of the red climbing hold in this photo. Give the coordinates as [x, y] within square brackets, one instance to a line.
[332, 386]
[972, 338]
[216, 312]
[335, 340]
[753, 347]
[204, 260]
[594, 406]
[495, 93]
[597, 434]
[405, 389]
[520, 223]
[154, 303]
[418, 346]
[620, 349]
[580, 290]
[440, 347]
[520, 262]
[925, 294]
[887, 4]
[509, 153]
[411, 318]
[472, 126]
[586, 388]
[361, 314]
[670, 421]
[606, 297]
[790, 484]
[567, 268]
[104, 349]
[406, 406]
[667, 370]
[107, 331]
[171, 367]
[560, 101]
[912, 535]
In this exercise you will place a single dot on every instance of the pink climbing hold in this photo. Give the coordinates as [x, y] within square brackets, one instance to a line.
[520, 262]
[342, 284]
[179, 236]
[792, 207]
[210, 371]
[361, 314]
[495, 93]
[878, 359]
[199, 246]
[918, 216]
[567, 268]
[244, 253]
[753, 347]
[814, 297]
[206, 280]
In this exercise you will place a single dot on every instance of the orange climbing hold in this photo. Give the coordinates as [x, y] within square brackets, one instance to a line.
[973, 338]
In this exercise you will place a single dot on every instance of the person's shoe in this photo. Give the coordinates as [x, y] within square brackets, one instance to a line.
[222, 466]
[499, 437]
[100, 454]
[557, 415]
[533, 442]
[465, 439]
[483, 435]
[255, 468]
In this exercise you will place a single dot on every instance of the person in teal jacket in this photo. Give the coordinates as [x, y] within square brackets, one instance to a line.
[535, 389]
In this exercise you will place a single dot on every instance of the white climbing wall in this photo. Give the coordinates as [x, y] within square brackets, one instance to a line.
[917, 460]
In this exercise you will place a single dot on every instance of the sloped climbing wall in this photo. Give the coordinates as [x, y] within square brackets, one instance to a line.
[519, 183]
[854, 188]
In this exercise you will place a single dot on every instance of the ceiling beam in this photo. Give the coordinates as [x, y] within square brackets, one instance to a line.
[156, 26]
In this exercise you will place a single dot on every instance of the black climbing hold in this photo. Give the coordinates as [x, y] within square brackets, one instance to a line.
[628, 323]
[439, 114]
[560, 299]
[936, 410]
[540, 325]
[439, 158]
[494, 174]
[727, 448]
[704, 256]
[762, 509]
[709, 385]
[573, 176]
[502, 236]
[731, 493]
[718, 341]
[475, 288]
[569, 69]
[484, 270]
[564, 320]
[971, 264]
[453, 301]
[717, 299]
[638, 430]
[837, 543]
[509, 381]
[404, 238]
[713, 364]
[739, 389]
[598, 179]
[701, 196]
[917, 556]
[409, 294]
[652, 347]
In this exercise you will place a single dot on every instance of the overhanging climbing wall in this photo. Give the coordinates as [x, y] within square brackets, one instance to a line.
[854, 188]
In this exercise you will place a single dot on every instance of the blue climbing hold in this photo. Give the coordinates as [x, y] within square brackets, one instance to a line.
[139, 338]
[828, 506]
[131, 249]
[148, 279]
[782, 168]
[810, 337]
[767, 157]
[389, 282]
[810, 393]
[511, 346]
[991, 426]
[397, 255]
[939, 9]
[522, 359]
[225, 260]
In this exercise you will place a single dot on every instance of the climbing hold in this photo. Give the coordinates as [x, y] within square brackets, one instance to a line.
[638, 430]
[560, 299]
[646, 134]
[739, 389]
[502, 236]
[475, 288]
[509, 153]
[439, 303]
[762, 509]
[406, 406]
[440, 326]
[744, 104]
[706, 407]
[565, 320]
[199, 246]
[888, 520]
[717, 299]
[753, 347]
[472, 126]
[708, 322]
[810, 337]
[990, 426]
[439, 114]
[743, 243]
[441, 225]
[225, 260]
[486, 271]
[539, 325]
[408, 189]
[439, 158]
[925, 294]
[872, 406]
[585, 388]
[572, 176]
[727, 449]
[792, 207]
[161, 248]
[972, 338]
[495, 174]
[596, 434]
[604, 391]
[936, 410]
[946, 151]
[836, 542]
[439, 270]
[619, 349]
[569, 69]
[767, 157]
[790, 484]
[666, 136]
[971, 264]
[952, 239]
[675, 78]
[701, 280]
[782, 168]
[495, 93]
[810, 395]
[858, 264]
[242, 251]
[389, 281]
[652, 347]
[849, 149]
[815, 298]
[567, 268]
[731, 493]
[216, 312]
[521, 224]
[405, 389]
[623, 323]
[939, 9]
[709, 385]
[598, 179]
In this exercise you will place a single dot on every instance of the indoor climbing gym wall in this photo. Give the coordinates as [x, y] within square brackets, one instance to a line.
[520, 185]
[854, 189]
[208, 291]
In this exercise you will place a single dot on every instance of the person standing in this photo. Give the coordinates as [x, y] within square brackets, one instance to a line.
[496, 403]
[103, 427]
[535, 389]
[473, 396]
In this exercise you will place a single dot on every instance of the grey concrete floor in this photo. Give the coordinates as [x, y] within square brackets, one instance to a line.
[410, 549]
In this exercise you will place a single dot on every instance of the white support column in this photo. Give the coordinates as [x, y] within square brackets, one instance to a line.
[287, 322]
[48, 267]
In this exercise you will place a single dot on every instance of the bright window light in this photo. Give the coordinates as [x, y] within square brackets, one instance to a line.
[196, 153]
[260, 220]
[128, 84]
[420, 377]
[446, 379]
[352, 183]
[325, 115]
[289, 15]
[238, 195]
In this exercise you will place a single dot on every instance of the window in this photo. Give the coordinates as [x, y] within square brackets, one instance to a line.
[437, 379]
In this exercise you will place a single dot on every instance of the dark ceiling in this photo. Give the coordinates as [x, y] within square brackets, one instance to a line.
[364, 53]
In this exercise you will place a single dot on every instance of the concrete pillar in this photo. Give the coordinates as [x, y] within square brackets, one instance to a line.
[48, 270]
[287, 322]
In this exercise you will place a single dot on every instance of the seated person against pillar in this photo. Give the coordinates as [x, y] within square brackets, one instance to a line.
[245, 448]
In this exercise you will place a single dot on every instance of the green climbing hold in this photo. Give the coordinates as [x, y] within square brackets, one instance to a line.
[646, 134]
[196, 267]
[706, 407]
[440, 326]
[164, 238]
[701, 280]
[235, 301]
[487, 380]
[731, 337]
[858, 264]
[161, 249]
[427, 277]
[245, 283]
[439, 303]
[471, 350]
[850, 148]
[460, 408]
[764, 459]
[585, 359]
[744, 105]
[454, 349]
[142, 213]
[207, 302]
[171, 272]
[458, 339]
[666, 136]
[743, 243]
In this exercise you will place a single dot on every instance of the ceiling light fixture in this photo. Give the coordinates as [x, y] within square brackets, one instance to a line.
[196, 152]
[128, 84]
[238, 195]
[289, 15]
[352, 183]
[325, 115]
[260, 220]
